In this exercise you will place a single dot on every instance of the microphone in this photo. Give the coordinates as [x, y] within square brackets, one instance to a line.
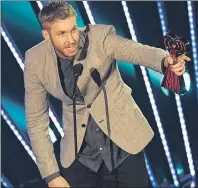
[77, 69]
[97, 79]
[96, 76]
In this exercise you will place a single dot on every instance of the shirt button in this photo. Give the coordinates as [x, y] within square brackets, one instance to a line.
[89, 106]
[97, 129]
[100, 149]
[83, 125]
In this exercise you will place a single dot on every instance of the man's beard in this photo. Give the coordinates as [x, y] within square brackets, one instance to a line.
[62, 55]
[61, 52]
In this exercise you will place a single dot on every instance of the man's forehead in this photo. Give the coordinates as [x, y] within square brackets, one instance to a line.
[65, 25]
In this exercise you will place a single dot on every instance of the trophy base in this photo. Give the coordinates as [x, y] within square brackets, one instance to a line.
[173, 83]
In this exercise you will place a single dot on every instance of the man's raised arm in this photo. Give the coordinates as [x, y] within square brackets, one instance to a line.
[127, 50]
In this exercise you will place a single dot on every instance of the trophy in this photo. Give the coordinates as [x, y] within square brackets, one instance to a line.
[176, 46]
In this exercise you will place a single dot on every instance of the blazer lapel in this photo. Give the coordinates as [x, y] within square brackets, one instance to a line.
[81, 58]
[85, 82]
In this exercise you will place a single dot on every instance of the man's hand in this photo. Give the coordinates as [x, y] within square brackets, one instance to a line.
[179, 67]
[58, 182]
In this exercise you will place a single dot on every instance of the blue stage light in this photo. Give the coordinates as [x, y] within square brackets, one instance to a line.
[178, 99]
[191, 17]
[18, 135]
[152, 100]
[21, 64]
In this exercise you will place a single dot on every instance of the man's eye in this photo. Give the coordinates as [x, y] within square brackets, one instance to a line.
[62, 33]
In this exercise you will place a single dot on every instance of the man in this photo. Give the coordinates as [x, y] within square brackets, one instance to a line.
[111, 130]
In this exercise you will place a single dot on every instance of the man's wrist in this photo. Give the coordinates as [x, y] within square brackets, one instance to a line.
[163, 67]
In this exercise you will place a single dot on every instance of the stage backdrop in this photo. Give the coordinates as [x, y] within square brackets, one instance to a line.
[172, 154]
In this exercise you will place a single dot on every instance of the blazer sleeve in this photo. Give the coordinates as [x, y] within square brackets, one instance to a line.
[127, 50]
[37, 118]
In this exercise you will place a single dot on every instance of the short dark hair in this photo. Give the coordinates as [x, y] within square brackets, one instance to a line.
[54, 10]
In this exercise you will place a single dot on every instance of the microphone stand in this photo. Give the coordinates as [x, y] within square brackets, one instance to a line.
[74, 115]
[108, 126]
[78, 68]
[97, 79]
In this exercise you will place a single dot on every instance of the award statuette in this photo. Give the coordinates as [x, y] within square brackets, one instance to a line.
[176, 46]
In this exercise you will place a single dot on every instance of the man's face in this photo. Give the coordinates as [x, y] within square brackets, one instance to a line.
[64, 36]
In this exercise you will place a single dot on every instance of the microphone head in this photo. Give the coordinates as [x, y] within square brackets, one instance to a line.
[94, 73]
[92, 70]
[77, 69]
[95, 76]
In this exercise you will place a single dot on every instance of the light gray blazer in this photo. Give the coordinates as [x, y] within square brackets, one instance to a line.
[129, 128]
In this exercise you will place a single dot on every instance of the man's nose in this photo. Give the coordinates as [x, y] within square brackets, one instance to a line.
[70, 38]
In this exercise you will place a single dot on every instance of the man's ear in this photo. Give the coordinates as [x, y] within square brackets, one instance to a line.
[45, 34]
